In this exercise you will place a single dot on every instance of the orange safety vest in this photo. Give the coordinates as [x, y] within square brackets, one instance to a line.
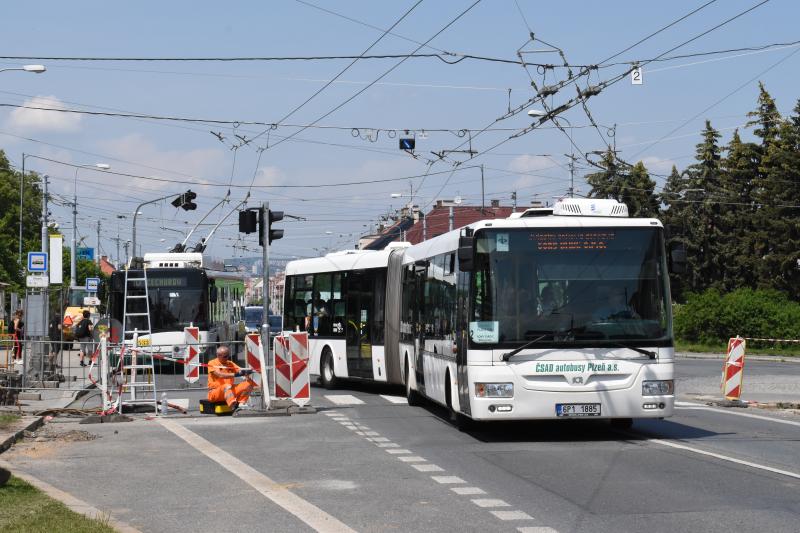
[228, 367]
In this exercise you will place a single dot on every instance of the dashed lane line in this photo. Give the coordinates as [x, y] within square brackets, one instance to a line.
[467, 491]
[312, 515]
[448, 480]
[511, 515]
[428, 468]
[396, 451]
[490, 502]
[411, 459]
[686, 406]
[534, 529]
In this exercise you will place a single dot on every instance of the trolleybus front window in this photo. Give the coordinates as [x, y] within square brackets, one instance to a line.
[603, 285]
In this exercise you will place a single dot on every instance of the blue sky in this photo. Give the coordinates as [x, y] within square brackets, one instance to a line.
[657, 122]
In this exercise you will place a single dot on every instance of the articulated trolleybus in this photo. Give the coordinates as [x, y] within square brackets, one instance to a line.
[552, 313]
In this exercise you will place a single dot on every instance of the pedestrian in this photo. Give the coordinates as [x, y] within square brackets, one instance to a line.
[83, 332]
[17, 329]
[54, 332]
[221, 374]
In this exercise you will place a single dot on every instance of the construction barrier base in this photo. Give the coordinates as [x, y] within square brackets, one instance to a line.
[214, 408]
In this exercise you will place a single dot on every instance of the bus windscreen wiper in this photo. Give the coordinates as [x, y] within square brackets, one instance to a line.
[515, 351]
[648, 353]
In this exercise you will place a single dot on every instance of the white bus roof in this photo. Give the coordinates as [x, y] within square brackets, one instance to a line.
[173, 260]
[448, 242]
[339, 261]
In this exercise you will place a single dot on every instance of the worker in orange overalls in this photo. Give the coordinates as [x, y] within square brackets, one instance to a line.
[221, 374]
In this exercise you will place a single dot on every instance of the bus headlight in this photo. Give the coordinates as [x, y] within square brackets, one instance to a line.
[658, 388]
[494, 390]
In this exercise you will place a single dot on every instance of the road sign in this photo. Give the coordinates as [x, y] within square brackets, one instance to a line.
[91, 301]
[636, 76]
[92, 284]
[37, 261]
[36, 281]
[86, 253]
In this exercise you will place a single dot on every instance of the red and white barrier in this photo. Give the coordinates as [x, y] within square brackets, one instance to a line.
[291, 367]
[254, 358]
[733, 369]
[191, 367]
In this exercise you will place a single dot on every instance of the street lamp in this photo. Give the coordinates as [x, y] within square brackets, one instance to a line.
[36, 69]
[539, 113]
[73, 259]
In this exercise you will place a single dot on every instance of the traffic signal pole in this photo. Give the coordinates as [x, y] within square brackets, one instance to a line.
[266, 391]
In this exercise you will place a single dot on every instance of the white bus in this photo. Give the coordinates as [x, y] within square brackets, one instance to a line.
[552, 313]
[339, 300]
[182, 292]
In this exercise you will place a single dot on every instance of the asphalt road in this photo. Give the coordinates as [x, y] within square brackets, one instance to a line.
[370, 462]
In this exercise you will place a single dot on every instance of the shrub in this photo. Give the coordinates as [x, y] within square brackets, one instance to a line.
[711, 317]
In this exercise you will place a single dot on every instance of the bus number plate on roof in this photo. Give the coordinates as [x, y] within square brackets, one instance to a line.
[577, 409]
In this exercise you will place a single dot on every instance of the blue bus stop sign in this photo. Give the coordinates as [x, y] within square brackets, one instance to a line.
[92, 284]
[37, 261]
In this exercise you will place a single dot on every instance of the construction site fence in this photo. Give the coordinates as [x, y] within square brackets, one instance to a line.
[52, 365]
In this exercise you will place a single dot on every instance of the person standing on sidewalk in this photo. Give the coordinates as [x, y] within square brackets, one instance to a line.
[54, 332]
[83, 332]
[17, 329]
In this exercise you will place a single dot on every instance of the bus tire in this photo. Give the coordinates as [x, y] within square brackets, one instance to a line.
[327, 375]
[411, 395]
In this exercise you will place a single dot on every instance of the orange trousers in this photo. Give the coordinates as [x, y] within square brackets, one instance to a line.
[232, 394]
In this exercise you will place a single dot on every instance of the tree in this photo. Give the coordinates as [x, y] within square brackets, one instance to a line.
[672, 215]
[11, 271]
[628, 184]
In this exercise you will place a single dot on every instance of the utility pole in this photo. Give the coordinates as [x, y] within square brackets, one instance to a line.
[450, 219]
[266, 391]
[74, 251]
[514, 201]
[482, 195]
[97, 251]
[21, 189]
[45, 242]
[571, 175]
[125, 246]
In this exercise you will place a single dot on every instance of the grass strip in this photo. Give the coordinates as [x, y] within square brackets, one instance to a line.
[25, 509]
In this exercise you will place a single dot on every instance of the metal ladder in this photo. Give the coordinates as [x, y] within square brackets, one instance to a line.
[137, 364]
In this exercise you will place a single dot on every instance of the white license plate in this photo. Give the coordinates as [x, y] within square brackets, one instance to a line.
[577, 409]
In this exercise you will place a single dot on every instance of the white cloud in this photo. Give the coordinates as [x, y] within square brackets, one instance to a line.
[270, 175]
[658, 165]
[38, 120]
[200, 164]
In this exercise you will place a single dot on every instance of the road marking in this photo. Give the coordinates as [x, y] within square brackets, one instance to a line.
[511, 515]
[343, 399]
[371, 433]
[376, 439]
[412, 459]
[699, 407]
[398, 451]
[331, 413]
[387, 445]
[447, 480]
[725, 458]
[428, 468]
[467, 491]
[360, 433]
[531, 529]
[312, 515]
[395, 399]
[490, 502]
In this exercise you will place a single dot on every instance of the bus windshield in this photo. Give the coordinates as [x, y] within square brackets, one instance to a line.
[589, 286]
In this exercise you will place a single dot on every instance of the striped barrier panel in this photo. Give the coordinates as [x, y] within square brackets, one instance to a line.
[291, 367]
[191, 367]
[254, 357]
[733, 369]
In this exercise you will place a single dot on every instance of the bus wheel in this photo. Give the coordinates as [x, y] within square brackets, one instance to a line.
[411, 395]
[621, 423]
[327, 375]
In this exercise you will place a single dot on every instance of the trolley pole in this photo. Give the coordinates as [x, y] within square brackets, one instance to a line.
[266, 390]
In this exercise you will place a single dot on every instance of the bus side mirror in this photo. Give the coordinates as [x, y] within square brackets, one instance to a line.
[677, 258]
[212, 294]
[465, 253]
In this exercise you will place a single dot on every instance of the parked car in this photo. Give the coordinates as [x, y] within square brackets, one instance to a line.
[254, 317]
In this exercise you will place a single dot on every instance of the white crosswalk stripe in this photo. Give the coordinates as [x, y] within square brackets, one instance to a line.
[343, 399]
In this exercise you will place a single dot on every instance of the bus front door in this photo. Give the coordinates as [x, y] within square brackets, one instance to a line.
[358, 305]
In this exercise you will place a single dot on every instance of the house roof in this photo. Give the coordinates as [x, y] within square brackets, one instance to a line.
[438, 220]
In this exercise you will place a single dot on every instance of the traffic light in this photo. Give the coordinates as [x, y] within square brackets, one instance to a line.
[248, 221]
[184, 201]
[272, 216]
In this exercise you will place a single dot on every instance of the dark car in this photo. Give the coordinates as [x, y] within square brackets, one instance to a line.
[254, 316]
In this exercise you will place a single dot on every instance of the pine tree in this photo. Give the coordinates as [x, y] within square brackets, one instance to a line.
[630, 185]
[672, 215]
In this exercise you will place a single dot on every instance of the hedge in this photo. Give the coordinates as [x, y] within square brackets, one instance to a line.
[712, 317]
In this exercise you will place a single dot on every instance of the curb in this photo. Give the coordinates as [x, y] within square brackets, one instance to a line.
[14, 437]
[721, 357]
